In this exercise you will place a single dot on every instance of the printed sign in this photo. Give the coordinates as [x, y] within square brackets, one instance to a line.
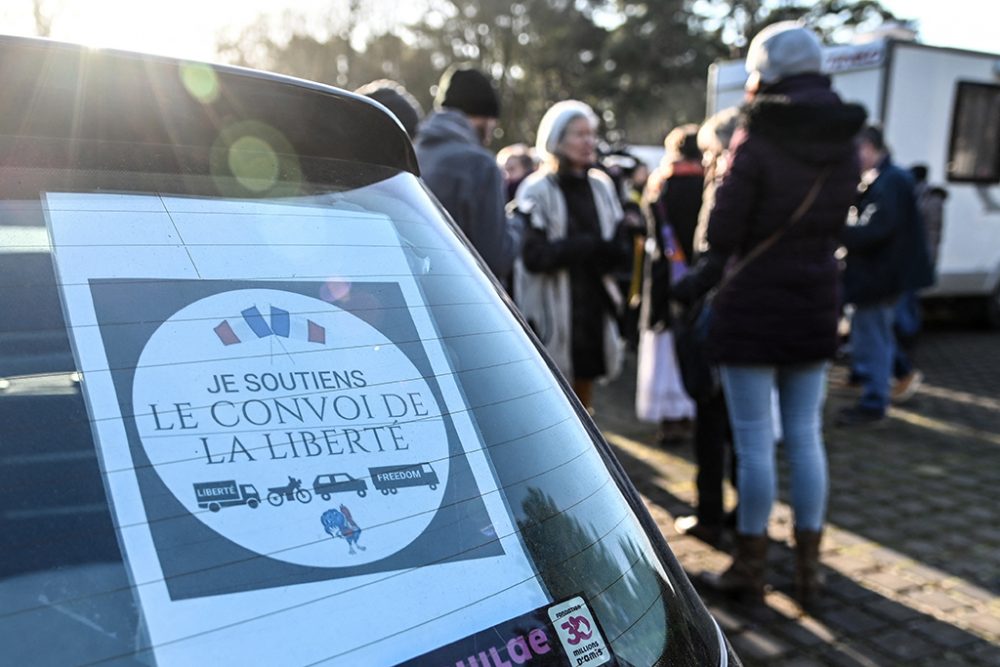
[533, 639]
[280, 452]
[316, 425]
[306, 405]
[853, 57]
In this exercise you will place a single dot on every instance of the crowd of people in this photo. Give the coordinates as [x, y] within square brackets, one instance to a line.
[729, 266]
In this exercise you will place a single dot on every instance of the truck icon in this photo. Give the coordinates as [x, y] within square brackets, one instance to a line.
[390, 479]
[338, 482]
[216, 495]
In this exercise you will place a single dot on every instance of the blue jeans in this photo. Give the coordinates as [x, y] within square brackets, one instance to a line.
[801, 393]
[906, 326]
[873, 349]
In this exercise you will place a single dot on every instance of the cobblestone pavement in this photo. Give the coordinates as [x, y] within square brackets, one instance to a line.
[912, 547]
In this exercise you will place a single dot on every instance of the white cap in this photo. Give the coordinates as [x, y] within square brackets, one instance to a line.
[554, 123]
[782, 50]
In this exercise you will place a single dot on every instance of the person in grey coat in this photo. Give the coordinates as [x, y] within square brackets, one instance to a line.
[461, 173]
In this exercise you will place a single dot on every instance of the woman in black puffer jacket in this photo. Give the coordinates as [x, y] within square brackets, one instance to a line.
[774, 322]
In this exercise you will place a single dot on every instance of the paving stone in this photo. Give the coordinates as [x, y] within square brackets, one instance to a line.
[892, 610]
[988, 533]
[852, 521]
[852, 620]
[805, 632]
[884, 533]
[848, 590]
[934, 599]
[757, 645]
[985, 653]
[903, 644]
[849, 654]
[986, 514]
[986, 623]
[888, 579]
[958, 543]
[949, 658]
[942, 634]
[970, 591]
[884, 556]
[800, 661]
[922, 549]
[849, 563]
[912, 507]
[921, 572]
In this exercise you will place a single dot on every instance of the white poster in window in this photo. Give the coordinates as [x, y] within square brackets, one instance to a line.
[294, 474]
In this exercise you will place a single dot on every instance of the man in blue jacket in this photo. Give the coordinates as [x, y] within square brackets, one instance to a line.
[887, 255]
[459, 170]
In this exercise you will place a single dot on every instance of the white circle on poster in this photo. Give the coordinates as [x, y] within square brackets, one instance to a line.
[291, 427]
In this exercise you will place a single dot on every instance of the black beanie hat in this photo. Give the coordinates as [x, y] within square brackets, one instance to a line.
[394, 97]
[468, 90]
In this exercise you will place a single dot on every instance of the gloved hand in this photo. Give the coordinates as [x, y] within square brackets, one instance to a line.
[580, 248]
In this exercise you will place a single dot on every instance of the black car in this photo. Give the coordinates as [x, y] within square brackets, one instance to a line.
[215, 279]
[338, 482]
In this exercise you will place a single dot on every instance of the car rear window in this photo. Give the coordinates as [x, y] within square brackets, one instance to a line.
[302, 428]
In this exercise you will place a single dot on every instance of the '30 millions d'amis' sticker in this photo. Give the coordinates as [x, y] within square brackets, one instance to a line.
[291, 427]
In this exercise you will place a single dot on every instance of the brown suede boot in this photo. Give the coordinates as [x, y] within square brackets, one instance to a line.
[808, 580]
[745, 577]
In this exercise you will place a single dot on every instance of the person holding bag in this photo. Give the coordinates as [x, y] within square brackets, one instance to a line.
[772, 321]
[670, 206]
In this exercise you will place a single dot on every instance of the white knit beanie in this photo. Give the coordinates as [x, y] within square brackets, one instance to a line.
[782, 50]
[554, 123]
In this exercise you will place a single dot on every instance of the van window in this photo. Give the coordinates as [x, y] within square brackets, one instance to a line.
[974, 153]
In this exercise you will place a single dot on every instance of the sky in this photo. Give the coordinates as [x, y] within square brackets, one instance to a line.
[190, 28]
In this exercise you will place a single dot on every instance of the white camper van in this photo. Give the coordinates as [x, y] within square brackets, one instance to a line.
[940, 107]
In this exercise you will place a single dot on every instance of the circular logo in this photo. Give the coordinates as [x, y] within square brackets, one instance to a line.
[291, 427]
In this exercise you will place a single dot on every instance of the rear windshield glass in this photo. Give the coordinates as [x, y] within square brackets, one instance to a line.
[296, 429]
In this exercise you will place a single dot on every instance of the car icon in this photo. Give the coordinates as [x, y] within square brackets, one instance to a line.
[339, 482]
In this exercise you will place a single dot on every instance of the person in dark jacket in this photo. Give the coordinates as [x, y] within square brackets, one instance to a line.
[676, 187]
[908, 316]
[671, 201]
[887, 256]
[774, 322]
[712, 434]
[461, 173]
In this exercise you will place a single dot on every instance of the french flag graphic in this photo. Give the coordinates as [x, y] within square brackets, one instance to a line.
[278, 323]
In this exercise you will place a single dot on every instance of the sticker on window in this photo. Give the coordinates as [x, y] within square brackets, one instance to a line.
[290, 448]
[578, 633]
[299, 431]
[560, 635]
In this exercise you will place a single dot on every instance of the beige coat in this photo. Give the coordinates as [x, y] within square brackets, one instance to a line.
[544, 298]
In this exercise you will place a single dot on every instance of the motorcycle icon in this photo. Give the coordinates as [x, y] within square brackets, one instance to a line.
[277, 495]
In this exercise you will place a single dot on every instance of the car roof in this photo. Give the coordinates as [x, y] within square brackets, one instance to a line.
[130, 98]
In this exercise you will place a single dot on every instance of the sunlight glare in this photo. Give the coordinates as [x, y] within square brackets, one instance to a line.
[200, 81]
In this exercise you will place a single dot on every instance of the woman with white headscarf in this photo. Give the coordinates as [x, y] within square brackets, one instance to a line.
[562, 281]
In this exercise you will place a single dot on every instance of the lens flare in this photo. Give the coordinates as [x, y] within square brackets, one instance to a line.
[200, 81]
[251, 158]
[335, 289]
[254, 163]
